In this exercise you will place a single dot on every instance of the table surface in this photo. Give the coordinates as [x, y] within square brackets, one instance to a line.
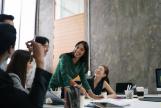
[133, 103]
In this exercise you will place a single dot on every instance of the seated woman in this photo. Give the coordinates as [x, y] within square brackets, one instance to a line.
[20, 64]
[100, 81]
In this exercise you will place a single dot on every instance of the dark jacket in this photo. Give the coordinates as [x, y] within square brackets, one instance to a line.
[11, 97]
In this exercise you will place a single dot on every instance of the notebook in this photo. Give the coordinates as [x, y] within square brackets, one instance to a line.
[102, 105]
[114, 103]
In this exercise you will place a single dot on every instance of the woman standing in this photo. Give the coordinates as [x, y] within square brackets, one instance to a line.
[70, 66]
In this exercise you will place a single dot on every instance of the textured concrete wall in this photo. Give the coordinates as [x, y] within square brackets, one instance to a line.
[126, 36]
[46, 27]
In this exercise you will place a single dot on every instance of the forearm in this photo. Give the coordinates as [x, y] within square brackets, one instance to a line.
[92, 95]
[112, 96]
[73, 83]
[112, 93]
[83, 91]
[39, 87]
[40, 64]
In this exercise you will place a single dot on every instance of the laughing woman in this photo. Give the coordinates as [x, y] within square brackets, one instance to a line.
[100, 82]
[70, 66]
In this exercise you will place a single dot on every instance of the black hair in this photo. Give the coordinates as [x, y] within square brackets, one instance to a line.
[4, 17]
[7, 37]
[84, 58]
[106, 77]
[18, 64]
[42, 40]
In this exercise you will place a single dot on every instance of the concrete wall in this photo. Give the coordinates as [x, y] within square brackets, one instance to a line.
[46, 27]
[126, 36]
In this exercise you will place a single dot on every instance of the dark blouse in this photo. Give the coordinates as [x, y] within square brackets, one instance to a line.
[98, 89]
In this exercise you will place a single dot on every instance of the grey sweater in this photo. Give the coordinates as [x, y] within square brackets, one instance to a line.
[17, 82]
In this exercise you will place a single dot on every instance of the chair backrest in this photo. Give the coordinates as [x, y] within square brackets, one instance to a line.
[72, 97]
[121, 87]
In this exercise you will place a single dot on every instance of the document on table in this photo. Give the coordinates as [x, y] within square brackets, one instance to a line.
[118, 102]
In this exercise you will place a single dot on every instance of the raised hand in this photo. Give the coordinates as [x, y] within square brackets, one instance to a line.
[38, 52]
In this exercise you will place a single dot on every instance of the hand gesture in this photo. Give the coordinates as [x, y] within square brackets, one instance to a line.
[38, 52]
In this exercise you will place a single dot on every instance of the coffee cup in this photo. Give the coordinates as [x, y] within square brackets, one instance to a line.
[145, 91]
[140, 92]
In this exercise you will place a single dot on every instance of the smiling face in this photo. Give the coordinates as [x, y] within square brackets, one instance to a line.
[79, 51]
[100, 72]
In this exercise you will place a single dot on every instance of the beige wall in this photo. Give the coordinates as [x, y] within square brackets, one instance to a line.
[68, 31]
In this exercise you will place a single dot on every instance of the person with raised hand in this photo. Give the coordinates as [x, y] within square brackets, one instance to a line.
[14, 97]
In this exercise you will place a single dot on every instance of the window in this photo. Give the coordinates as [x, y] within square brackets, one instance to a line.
[66, 8]
[1, 6]
[24, 13]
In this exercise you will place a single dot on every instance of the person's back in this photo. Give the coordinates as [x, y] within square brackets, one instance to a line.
[11, 97]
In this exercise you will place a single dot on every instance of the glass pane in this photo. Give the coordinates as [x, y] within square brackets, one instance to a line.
[10, 8]
[0, 6]
[65, 8]
[24, 13]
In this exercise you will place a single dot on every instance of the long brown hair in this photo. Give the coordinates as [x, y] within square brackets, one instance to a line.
[18, 64]
[84, 58]
[85, 45]
[106, 77]
[106, 72]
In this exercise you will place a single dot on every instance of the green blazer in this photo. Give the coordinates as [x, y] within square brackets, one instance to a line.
[66, 70]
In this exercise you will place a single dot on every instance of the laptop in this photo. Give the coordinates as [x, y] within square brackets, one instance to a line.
[152, 99]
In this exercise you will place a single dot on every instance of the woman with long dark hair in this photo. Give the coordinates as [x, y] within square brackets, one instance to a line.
[20, 64]
[70, 66]
[100, 82]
